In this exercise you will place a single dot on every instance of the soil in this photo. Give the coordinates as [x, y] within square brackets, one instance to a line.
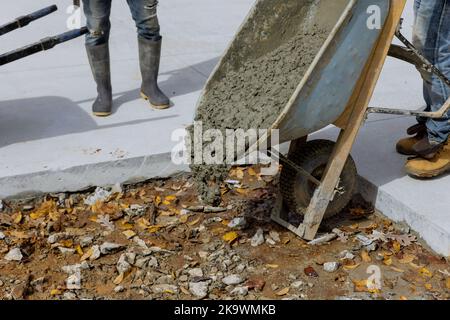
[253, 96]
[176, 247]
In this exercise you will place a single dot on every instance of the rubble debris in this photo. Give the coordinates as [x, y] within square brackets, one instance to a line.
[233, 280]
[238, 223]
[135, 210]
[14, 255]
[99, 195]
[108, 247]
[199, 289]
[323, 239]
[258, 238]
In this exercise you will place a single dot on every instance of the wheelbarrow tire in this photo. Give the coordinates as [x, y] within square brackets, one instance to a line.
[313, 157]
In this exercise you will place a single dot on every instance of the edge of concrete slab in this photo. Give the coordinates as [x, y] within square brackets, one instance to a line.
[435, 237]
[124, 171]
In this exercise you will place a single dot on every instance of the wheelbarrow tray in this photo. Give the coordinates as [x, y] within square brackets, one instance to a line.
[329, 82]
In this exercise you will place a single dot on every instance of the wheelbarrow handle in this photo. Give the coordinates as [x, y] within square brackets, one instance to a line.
[42, 45]
[22, 21]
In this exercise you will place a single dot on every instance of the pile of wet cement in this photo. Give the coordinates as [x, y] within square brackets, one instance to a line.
[253, 97]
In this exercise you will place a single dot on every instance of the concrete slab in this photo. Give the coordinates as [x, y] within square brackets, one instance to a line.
[50, 142]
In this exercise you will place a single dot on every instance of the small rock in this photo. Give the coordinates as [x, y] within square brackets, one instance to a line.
[2, 236]
[270, 241]
[74, 268]
[28, 207]
[73, 282]
[119, 289]
[161, 288]
[183, 278]
[69, 295]
[54, 238]
[1, 283]
[109, 247]
[346, 255]
[275, 236]
[371, 247]
[66, 250]
[135, 210]
[123, 264]
[330, 266]
[14, 255]
[365, 241]
[96, 253]
[209, 209]
[199, 289]
[196, 272]
[1, 205]
[86, 241]
[239, 291]
[238, 223]
[258, 238]
[297, 284]
[99, 194]
[232, 280]
[203, 254]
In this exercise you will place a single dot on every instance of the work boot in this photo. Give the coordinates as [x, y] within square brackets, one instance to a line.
[405, 146]
[149, 57]
[100, 66]
[427, 149]
[429, 168]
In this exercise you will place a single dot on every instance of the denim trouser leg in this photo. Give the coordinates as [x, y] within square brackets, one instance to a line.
[144, 14]
[97, 14]
[432, 39]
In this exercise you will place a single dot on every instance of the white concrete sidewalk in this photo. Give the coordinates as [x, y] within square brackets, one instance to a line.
[50, 142]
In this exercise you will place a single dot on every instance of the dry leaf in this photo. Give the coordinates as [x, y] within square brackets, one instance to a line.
[428, 286]
[157, 200]
[252, 171]
[87, 255]
[283, 292]
[397, 269]
[184, 290]
[45, 208]
[447, 283]
[118, 280]
[396, 246]
[17, 217]
[55, 292]
[365, 256]
[403, 298]
[230, 236]
[129, 234]
[79, 250]
[272, 266]
[407, 258]
[153, 229]
[387, 261]
[193, 223]
[425, 272]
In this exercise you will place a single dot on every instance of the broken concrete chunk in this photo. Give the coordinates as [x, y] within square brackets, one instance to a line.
[99, 194]
[196, 272]
[258, 238]
[330, 266]
[199, 289]
[109, 247]
[14, 255]
[232, 280]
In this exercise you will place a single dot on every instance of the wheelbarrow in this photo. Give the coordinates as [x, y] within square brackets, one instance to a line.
[318, 178]
[43, 44]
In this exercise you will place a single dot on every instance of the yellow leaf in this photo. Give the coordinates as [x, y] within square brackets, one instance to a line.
[87, 254]
[17, 217]
[403, 298]
[230, 236]
[55, 292]
[252, 172]
[143, 223]
[241, 191]
[79, 250]
[129, 234]
[45, 208]
[283, 292]
[184, 218]
[360, 285]
[351, 267]
[193, 223]
[365, 256]
[428, 286]
[425, 272]
[225, 222]
[387, 261]
[66, 243]
[407, 258]
[447, 283]
[171, 198]
[157, 200]
[153, 229]
[396, 246]
[118, 280]
[125, 225]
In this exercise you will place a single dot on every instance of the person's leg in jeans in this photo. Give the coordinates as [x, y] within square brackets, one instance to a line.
[144, 13]
[97, 14]
[432, 39]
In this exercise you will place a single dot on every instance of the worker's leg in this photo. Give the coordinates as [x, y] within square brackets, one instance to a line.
[97, 15]
[144, 13]
[432, 38]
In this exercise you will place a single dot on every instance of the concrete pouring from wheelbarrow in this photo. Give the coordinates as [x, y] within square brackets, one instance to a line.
[50, 142]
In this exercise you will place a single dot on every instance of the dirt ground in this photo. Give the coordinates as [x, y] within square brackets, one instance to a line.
[154, 241]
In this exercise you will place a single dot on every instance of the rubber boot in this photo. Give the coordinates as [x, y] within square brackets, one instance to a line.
[100, 66]
[405, 146]
[429, 168]
[149, 58]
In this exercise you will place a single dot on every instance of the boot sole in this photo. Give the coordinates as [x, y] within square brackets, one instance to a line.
[160, 107]
[429, 174]
[101, 114]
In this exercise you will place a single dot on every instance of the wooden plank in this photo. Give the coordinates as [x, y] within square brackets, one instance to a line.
[360, 100]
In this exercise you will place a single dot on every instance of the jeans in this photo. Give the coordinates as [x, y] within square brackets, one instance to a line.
[97, 14]
[432, 39]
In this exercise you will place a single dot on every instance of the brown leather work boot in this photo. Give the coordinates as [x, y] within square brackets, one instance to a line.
[405, 146]
[435, 166]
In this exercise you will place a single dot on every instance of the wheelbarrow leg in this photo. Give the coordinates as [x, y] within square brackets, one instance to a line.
[358, 106]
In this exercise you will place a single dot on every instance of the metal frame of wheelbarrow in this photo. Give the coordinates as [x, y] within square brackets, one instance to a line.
[350, 122]
[43, 44]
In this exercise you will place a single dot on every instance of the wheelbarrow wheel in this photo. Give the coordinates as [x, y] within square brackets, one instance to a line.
[313, 157]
